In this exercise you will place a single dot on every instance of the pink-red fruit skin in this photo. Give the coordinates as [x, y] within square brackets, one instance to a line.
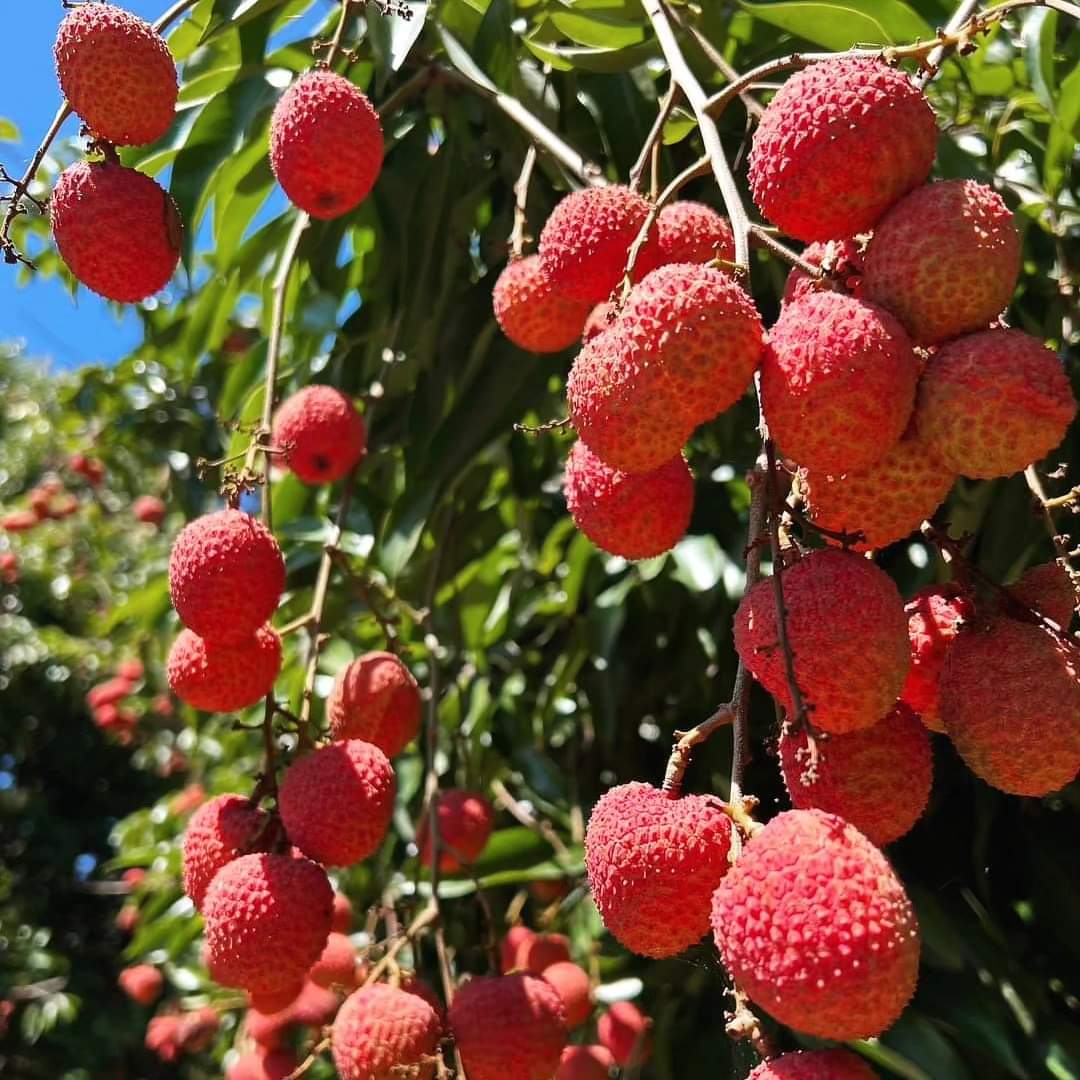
[117, 73]
[572, 984]
[117, 230]
[263, 1064]
[840, 142]
[653, 863]
[1048, 590]
[534, 314]
[858, 776]
[843, 261]
[142, 983]
[691, 232]
[814, 1065]
[508, 1025]
[321, 433]
[837, 382]
[585, 1063]
[223, 678]
[326, 144]
[382, 1033]
[992, 403]
[627, 1033]
[336, 802]
[221, 830]
[814, 925]
[465, 820]
[935, 616]
[850, 658]
[944, 260]
[635, 515]
[336, 966]
[375, 699]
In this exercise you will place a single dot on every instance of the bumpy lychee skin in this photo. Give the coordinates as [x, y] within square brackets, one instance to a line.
[465, 819]
[635, 515]
[627, 1033]
[337, 964]
[267, 920]
[990, 404]
[382, 1033]
[534, 314]
[226, 575]
[336, 802]
[814, 925]
[326, 144]
[944, 260]
[837, 382]
[221, 830]
[321, 432]
[117, 230]
[843, 262]
[691, 232]
[1048, 590]
[839, 143]
[572, 984]
[653, 863]
[885, 502]
[850, 658]
[683, 350]
[814, 1065]
[223, 678]
[1010, 700]
[856, 776]
[935, 616]
[508, 1025]
[585, 242]
[117, 73]
[375, 699]
[585, 1063]
[600, 319]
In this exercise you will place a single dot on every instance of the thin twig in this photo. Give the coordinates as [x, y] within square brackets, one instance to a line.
[667, 103]
[525, 817]
[339, 33]
[767, 240]
[964, 11]
[521, 203]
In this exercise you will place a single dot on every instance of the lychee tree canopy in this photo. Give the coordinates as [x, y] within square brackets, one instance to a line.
[552, 669]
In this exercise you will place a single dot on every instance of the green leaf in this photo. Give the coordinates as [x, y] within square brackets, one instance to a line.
[842, 24]
[1064, 132]
[597, 30]
[392, 36]
[1039, 33]
[459, 56]
[8, 131]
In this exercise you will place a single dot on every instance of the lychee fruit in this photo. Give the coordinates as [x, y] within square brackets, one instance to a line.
[683, 350]
[336, 802]
[343, 914]
[885, 502]
[935, 616]
[337, 964]
[839, 143]
[109, 692]
[1010, 701]
[413, 984]
[131, 669]
[263, 1064]
[572, 984]
[691, 232]
[508, 1025]
[842, 261]
[635, 515]
[990, 404]
[19, 521]
[534, 314]
[223, 678]
[321, 433]
[221, 830]
[627, 1033]
[537, 953]
[653, 863]
[837, 382]
[117, 230]
[944, 260]
[465, 821]
[510, 946]
[314, 1006]
[600, 319]
[117, 73]
[814, 1065]
[382, 1033]
[814, 925]
[267, 921]
[226, 576]
[148, 509]
[142, 983]
[1048, 590]
[375, 699]
[89, 468]
[855, 776]
[585, 242]
[585, 1063]
[326, 144]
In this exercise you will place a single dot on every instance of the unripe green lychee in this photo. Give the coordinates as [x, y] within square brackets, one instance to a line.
[375, 699]
[321, 433]
[223, 678]
[534, 314]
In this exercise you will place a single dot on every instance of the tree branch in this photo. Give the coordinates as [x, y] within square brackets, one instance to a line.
[667, 103]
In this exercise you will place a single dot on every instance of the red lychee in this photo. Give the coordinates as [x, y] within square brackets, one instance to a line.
[375, 699]
[837, 382]
[683, 350]
[326, 144]
[585, 242]
[343, 914]
[337, 964]
[1048, 590]
[855, 776]
[850, 658]
[148, 509]
[511, 945]
[117, 73]
[226, 575]
[533, 314]
[814, 925]
[263, 1064]
[131, 669]
[223, 678]
[585, 1063]
[814, 1065]
[117, 230]
[508, 1025]
[221, 830]
[89, 468]
[321, 432]
[843, 263]
[171, 1035]
[109, 692]
[142, 983]
[19, 521]
[600, 319]
[627, 1033]
[944, 260]
[840, 142]
[465, 820]
[691, 232]
[635, 515]
[314, 1006]
[538, 952]
[412, 984]
[990, 404]
[382, 1033]
[336, 802]
[267, 921]
[653, 863]
[572, 984]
